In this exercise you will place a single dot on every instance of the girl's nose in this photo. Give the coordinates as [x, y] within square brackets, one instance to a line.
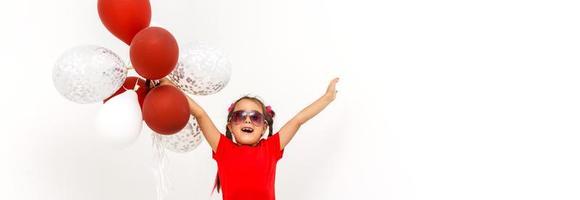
[247, 120]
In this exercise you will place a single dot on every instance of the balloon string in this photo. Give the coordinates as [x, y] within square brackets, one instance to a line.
[160, 171]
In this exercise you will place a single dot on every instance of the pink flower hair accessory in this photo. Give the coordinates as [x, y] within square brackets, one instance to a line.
[231, 108]
[270, 111]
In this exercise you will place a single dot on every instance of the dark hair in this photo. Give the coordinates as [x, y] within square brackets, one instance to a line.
[269, 119]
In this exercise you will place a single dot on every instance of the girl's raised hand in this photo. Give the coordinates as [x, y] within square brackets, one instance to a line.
[331, 91]
[291, 127]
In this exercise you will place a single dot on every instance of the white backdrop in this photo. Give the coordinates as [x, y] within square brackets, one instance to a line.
[437, 100]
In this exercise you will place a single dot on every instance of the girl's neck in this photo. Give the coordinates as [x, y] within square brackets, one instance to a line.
[250, 145]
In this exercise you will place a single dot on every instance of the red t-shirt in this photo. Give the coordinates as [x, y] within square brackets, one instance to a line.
[246, 172]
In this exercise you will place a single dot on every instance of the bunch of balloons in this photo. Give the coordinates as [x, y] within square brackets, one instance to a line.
[91, 74]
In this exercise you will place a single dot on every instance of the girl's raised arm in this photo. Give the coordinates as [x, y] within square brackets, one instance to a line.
[209, 130]
[291, 127]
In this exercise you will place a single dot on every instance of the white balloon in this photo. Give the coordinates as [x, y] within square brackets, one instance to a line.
[119, 120]
[183, 141]
[88, 74]
[201, 69]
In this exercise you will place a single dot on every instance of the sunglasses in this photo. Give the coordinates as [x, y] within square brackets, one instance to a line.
[256, 117]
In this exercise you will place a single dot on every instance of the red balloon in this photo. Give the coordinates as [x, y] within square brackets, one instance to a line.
[130, 84]
[166, 110]
[125, 18]
[154, 53]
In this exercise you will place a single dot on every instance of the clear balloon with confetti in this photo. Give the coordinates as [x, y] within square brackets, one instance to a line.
[201, 69]
[88, 74]
[183, 141]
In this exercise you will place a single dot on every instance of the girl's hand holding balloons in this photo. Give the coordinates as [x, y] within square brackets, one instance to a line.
[166, 81]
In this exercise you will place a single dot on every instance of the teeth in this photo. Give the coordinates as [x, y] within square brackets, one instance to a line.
[247, 129]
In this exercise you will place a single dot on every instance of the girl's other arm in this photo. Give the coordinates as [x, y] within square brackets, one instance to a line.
[209, 130]
[291, 127]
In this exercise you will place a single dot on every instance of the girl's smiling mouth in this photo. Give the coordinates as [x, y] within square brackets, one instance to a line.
[247, 129]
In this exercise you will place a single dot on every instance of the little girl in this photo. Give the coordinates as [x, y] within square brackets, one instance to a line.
[246, 163]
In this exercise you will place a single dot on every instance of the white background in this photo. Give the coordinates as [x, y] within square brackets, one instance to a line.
[442, 100]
